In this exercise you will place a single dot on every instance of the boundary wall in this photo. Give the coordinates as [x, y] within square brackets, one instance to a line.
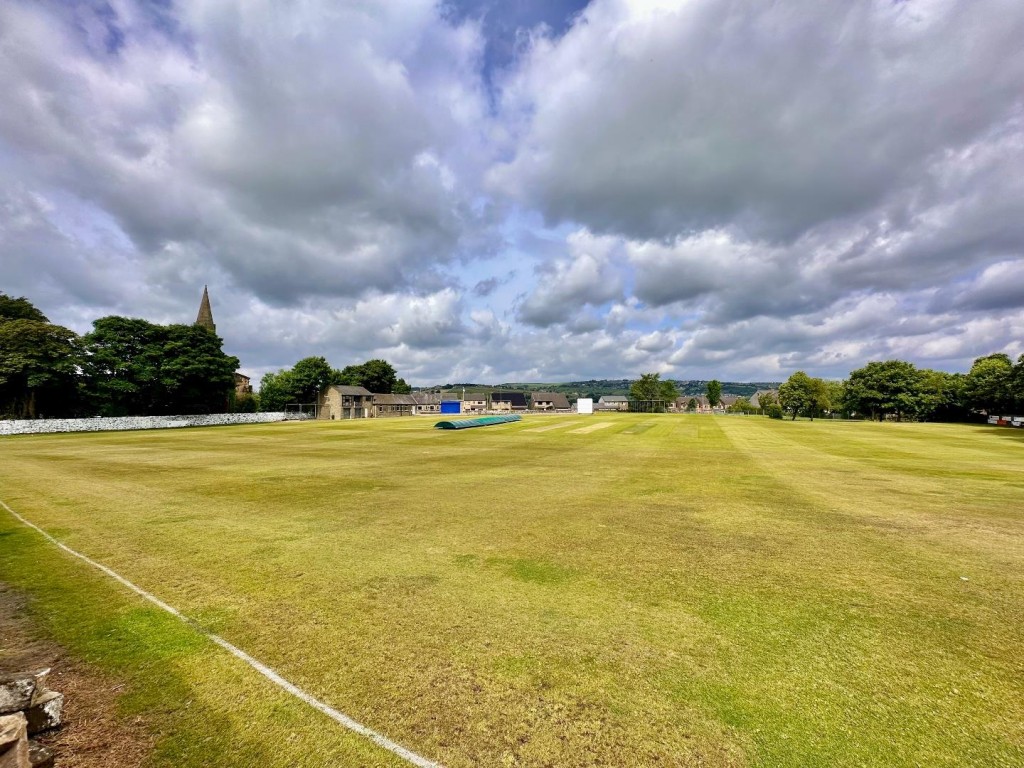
[118, 423]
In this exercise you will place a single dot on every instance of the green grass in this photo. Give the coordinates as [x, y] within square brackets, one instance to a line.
[669, 590]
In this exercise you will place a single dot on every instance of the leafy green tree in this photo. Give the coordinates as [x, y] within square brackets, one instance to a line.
[650, 387]
[276, 391]
[691, 404]
[38, 367]
[134, 367]
[309, 376]
[988, 386]
[797, 394]
[742, 405]
[19, 309]
[880, 388]
[378, 376]
[766, 400]
[1017, 384]
[195, 374]
[942, 396]
[401, 388]
[714, 392]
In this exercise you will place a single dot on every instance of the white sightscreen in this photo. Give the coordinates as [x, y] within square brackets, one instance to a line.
[585, 405]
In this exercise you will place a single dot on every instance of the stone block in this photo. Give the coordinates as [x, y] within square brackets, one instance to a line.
[39, 756]
[45, 712]
[16, 692]
[14, 741]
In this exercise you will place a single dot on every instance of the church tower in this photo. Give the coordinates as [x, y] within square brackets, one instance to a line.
[205, 317]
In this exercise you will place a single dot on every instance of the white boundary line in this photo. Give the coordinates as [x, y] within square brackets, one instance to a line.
[340, 717]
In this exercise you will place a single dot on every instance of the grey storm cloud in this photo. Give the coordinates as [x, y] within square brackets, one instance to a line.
[302, 150]
[703, 189]
[656, 119]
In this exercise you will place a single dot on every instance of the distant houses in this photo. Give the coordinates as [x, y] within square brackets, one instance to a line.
[347, 402]
[549, 401]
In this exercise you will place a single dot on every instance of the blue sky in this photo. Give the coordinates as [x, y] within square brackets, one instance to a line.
[495, 191]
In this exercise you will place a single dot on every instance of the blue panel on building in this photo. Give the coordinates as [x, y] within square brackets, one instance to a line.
[451, 406]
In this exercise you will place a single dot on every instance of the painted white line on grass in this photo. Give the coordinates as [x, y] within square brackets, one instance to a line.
[339, 717]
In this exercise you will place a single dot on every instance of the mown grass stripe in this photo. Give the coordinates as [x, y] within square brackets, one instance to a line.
[269, 673]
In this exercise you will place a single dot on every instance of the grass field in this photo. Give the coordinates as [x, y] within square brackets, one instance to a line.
[661, 590]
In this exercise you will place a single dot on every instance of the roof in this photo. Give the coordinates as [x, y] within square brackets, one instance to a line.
[345, 389]
[557, 399]
[613, 399]
[394, 400]
[474, 396]
[426, 398]
[516, 399]
[205, 316]
[729, 399]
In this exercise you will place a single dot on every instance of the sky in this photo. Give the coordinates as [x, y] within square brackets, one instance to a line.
[521, 190]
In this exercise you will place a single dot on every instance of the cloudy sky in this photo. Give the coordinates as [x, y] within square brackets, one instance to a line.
[538, 190]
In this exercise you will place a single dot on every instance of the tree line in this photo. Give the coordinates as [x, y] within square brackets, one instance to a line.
[304, 381]
[898, 389]
[124, 366]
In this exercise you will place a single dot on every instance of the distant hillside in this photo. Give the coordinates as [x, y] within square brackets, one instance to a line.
[597, 387]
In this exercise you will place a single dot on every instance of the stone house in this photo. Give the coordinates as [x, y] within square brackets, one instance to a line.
[509, 401]
[613, 403]
[474, 402]
[427, 402]
[340, 401]
[393, 405]
[549, 401]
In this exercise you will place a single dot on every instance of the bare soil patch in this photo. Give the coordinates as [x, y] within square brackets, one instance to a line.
[92, 736]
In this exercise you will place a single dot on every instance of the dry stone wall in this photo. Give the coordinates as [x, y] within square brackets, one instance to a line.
[105, 424]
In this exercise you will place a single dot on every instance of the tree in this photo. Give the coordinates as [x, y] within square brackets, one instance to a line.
[38, 366]
[309, 376]
[378, 376]
[650, 387]
[1017, 384]
[276, 391]
[714, 392]
[767, 400]
[19, 309]
[133, 367]
[880, 388]
[796, 395]
[401, 388]
[942, 396]
[989, 384]
[742, 405]
[691, 404]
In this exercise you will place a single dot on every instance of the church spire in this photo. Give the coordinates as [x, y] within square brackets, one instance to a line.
[205, 317]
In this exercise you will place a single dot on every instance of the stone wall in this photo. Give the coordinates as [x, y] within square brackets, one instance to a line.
[39, 426]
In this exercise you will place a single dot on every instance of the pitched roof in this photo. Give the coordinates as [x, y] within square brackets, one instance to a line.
[426, 398]
[345, 389]
[205, 316]
[613, 399]
[394, 400]
[516, 399]
[474, 396]
[557, 399]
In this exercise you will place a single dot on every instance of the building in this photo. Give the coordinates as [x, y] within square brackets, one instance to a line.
[549, 401]
[393, 405]
[340, 401]
[243, 384]
[427, 402]
[205, 316]
[474, 402]
[613, 403]
[509, 401]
